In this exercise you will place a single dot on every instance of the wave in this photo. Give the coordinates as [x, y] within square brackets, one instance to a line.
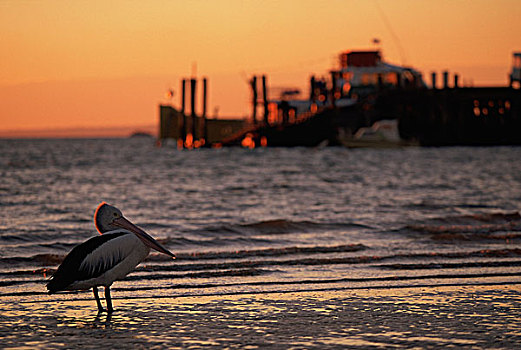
[153, 225]
[43, 236]
[254, 272]
[468, 227]
[351, 260]
[74, 219]
[55, 259]
[282, 226]
[457, 236]
[248, 253]
[40, 259]
[284, 251]
[449, 265]
[54, 210]
[247, 272]
[332, 280]
[30, 246]
[20, 273]
[217, 241]
[314, 287]
[425, 204]
[27, 235]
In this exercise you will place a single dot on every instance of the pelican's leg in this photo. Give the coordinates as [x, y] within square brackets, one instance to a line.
[108, 299]
[95, 291]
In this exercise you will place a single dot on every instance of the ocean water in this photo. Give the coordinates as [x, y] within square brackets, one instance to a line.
[263, 220]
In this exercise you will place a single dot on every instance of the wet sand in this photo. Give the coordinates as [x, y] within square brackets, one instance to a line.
[426, 317]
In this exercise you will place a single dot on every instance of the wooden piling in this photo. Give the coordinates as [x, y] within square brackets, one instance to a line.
[445, 79]
[205, 105]
[183, 110]
[333, 89]
[193, 85]
[265, 99]
[433, 79]
[312, 88]
[381, 82]
[253, 84]
[284, 106]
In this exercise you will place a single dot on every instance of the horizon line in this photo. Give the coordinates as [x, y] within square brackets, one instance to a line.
[116, 131]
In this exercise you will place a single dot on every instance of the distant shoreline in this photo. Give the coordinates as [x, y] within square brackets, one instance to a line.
[80, 132]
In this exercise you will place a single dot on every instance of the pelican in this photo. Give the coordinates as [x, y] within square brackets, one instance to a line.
[104, 259]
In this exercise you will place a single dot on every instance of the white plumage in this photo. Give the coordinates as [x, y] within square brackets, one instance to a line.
[126, 252]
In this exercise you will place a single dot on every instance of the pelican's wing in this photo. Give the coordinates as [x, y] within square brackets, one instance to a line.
[80, 264]
[108, 255]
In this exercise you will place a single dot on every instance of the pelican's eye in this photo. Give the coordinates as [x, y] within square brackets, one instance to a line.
[115, 215]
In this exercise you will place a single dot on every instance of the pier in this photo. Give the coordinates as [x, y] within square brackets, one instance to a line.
[459, 116]
[190, 130]
[345, 109]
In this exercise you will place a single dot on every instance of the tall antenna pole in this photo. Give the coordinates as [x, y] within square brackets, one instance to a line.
[403, 56]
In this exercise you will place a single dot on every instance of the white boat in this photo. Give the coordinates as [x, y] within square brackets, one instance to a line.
[382, 134]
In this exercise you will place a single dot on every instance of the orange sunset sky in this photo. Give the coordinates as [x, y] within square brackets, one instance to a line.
[107, 64]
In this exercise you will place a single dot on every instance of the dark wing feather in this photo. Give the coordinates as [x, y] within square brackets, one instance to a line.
[69, 271]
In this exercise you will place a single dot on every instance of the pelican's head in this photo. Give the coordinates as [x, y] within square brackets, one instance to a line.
[108, 218]
[104, 217]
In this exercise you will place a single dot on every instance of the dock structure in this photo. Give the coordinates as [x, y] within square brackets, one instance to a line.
[171, 123]
[215, 130]
[366, 91]
[190, 130]
[460, 116]
[364, 96]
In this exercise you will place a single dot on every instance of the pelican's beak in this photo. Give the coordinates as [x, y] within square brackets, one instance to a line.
[143, 236]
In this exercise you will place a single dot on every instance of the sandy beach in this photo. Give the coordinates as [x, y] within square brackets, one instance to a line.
[422, 317]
